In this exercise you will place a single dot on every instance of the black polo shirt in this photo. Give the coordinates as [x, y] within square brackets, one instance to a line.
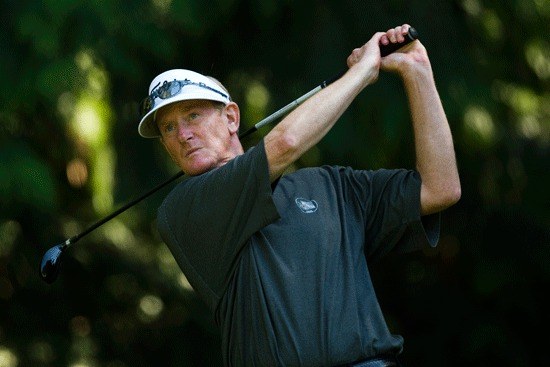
[285, 270]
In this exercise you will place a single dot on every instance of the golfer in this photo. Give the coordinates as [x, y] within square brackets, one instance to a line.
[282, 259]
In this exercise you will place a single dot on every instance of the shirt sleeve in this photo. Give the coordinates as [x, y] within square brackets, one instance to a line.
[389, 201]
[207, 219]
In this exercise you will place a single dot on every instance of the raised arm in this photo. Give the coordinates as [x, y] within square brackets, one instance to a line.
[307, 124]
[435, 156]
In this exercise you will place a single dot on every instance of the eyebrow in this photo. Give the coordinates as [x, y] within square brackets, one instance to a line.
[185, 108]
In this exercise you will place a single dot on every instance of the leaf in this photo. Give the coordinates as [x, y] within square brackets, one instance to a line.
[25, 178]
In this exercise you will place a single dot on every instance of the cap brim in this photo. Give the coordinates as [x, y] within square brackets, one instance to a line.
[147, 127]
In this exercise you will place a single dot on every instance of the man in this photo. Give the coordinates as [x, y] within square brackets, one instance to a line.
[282, 261]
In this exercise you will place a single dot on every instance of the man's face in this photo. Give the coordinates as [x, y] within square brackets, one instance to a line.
[198, 134]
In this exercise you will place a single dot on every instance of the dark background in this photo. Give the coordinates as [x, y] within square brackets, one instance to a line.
[73, 74]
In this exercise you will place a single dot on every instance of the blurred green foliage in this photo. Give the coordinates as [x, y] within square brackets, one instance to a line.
[73, 74]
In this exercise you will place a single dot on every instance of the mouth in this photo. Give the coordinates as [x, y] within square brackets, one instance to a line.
[191, 151]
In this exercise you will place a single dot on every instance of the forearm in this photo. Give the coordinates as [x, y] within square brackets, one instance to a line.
[306, 125]
[435, 156]
[310, 122]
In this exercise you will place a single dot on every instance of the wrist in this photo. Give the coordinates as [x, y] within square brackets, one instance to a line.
[416, 67]
[362, 76]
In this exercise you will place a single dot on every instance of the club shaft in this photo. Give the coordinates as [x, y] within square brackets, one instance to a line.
[271, 118]
[289, 107]
[122, 209]
[385, 50]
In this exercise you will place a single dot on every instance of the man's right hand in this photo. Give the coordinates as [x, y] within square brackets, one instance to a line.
[365, 60]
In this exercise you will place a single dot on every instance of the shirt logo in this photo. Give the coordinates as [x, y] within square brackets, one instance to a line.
[306, 206]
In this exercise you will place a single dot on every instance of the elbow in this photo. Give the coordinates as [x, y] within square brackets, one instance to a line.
[281, 149]
[287, 147]
[455, 189]
[440, 197]
[454, 194]
[458, 192]
[450, 195]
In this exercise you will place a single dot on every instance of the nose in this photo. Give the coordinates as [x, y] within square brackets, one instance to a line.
[184, 132]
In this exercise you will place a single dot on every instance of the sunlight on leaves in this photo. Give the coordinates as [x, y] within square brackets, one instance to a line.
[103, 179]
[120, 235]
[83, 363]
[80, 326]
[472, 7]
[162, 6]
[537, 54]
[543, 7]
[84, 60]
[87, 123]
[493, 25]
[530, 127]
[532, 111]
[66, 105]
[9, 231]
[8, 358]
[252, 95]
[150, 308]
[184, 282]
[479, 124]
[257, 98]
[41, 352]
[166, 262]
[522, 100]
[90, 121]
[84, 349]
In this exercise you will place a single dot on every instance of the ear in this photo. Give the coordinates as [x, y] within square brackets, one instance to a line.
[233, 115]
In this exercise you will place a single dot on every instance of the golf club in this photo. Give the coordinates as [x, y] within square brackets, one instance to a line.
[51, 261]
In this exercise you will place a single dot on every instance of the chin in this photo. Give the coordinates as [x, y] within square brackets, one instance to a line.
[198, 169]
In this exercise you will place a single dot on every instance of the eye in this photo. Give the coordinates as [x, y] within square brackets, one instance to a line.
[169, 128]
[193, 115]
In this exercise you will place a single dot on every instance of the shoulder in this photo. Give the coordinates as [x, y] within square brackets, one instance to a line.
[336, 173]
[351, 180]
[243, 175]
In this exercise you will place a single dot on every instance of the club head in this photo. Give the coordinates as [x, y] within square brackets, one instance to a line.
[51, 263]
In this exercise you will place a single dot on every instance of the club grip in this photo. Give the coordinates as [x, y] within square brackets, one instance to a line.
[411, 35]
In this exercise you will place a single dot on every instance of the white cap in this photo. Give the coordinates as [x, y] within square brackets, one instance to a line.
[198, 87]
